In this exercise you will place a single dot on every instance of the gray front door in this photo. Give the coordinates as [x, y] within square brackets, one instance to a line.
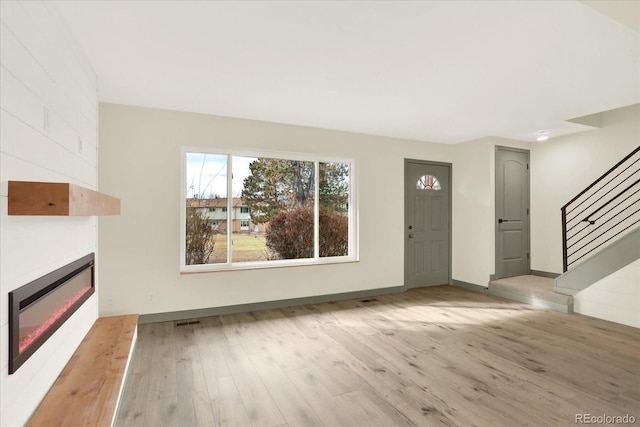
[427, 223]
[512, 212]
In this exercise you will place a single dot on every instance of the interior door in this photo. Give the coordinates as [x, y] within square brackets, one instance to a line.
[512, 212]
[427, 223]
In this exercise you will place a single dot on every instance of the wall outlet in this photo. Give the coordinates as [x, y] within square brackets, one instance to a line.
[152, 297]
[79, 145]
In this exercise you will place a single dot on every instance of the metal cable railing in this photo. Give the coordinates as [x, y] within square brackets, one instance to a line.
[603, 211]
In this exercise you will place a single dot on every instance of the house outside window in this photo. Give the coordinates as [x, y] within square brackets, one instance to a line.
[285, 209]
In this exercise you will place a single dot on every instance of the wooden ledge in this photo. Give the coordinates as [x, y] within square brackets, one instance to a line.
[58, 198]
[88, 390]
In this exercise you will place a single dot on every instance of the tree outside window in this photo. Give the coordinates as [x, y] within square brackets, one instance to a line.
[284, 198]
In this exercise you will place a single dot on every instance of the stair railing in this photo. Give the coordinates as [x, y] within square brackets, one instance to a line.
[604, 210]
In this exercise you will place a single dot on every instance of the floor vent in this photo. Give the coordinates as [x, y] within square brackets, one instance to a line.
[191, 322]
[369, 300]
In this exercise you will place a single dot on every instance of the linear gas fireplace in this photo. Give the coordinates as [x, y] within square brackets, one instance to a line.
[39, 308]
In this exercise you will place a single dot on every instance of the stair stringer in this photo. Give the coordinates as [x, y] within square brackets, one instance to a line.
[617, 255]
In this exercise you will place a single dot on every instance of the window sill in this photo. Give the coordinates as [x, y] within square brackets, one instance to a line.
[259, 265]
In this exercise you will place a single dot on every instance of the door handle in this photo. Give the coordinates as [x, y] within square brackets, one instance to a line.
[500, 220]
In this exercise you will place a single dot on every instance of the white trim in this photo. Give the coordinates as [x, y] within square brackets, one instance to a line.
[284, 155]
[259, 265]
[316, 210]
[354, 212]
[229, 209]
[247, 265]
[132, 347]
[183, 207]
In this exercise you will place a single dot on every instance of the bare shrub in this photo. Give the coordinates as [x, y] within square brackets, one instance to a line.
[200, 238]
[290, 233]
[334, 233]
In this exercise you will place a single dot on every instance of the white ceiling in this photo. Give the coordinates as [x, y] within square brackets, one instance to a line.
[440, 71]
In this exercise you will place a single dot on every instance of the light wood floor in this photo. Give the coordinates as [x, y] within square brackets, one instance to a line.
[433, 356]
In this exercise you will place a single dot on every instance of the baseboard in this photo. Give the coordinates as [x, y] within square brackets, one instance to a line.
[470, 286]
[267, 305]
[544, 274]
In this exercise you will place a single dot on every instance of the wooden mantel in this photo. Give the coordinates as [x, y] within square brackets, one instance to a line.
[58, 198]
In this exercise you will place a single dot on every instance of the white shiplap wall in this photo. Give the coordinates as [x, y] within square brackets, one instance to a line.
[43, 72]
[615, 298]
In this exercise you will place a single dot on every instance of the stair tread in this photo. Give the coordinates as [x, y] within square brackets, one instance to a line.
[531, 286]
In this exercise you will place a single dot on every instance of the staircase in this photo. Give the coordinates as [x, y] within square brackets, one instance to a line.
[600, 232]
[600, 235]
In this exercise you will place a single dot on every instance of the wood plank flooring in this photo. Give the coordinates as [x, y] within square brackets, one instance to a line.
[432, 356]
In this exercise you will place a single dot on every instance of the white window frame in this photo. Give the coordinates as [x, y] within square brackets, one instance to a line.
[353, 253]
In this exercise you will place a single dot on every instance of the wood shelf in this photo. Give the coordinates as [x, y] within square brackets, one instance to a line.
[59, 199]
[89, 389]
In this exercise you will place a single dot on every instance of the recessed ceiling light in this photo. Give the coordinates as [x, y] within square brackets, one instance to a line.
[543, 135]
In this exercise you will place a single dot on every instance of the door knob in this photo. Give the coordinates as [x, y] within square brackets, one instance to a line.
[411, 236]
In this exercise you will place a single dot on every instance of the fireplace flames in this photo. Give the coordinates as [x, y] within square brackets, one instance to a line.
[26, 340]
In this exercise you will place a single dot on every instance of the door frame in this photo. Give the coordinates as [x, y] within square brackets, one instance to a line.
[406, 213]
[498, 275]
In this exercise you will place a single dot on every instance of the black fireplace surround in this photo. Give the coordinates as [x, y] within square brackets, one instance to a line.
[39, 308]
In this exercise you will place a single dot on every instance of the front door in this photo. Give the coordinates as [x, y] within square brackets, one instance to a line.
[512, 212]
[427, 223]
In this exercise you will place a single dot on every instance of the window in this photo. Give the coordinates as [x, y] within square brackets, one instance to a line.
[428, 182]
[212, 209]
[301, 208]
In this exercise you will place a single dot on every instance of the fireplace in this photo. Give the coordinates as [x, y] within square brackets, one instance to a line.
[39, 308]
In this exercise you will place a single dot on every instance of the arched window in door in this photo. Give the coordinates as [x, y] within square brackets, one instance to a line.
[428, 182]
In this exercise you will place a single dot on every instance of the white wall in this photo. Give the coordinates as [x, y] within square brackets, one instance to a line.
[564, 166]
[42, 66]
[560, 168]
[472, 235]
[615, 298]
[140, 162]
[474, 208]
